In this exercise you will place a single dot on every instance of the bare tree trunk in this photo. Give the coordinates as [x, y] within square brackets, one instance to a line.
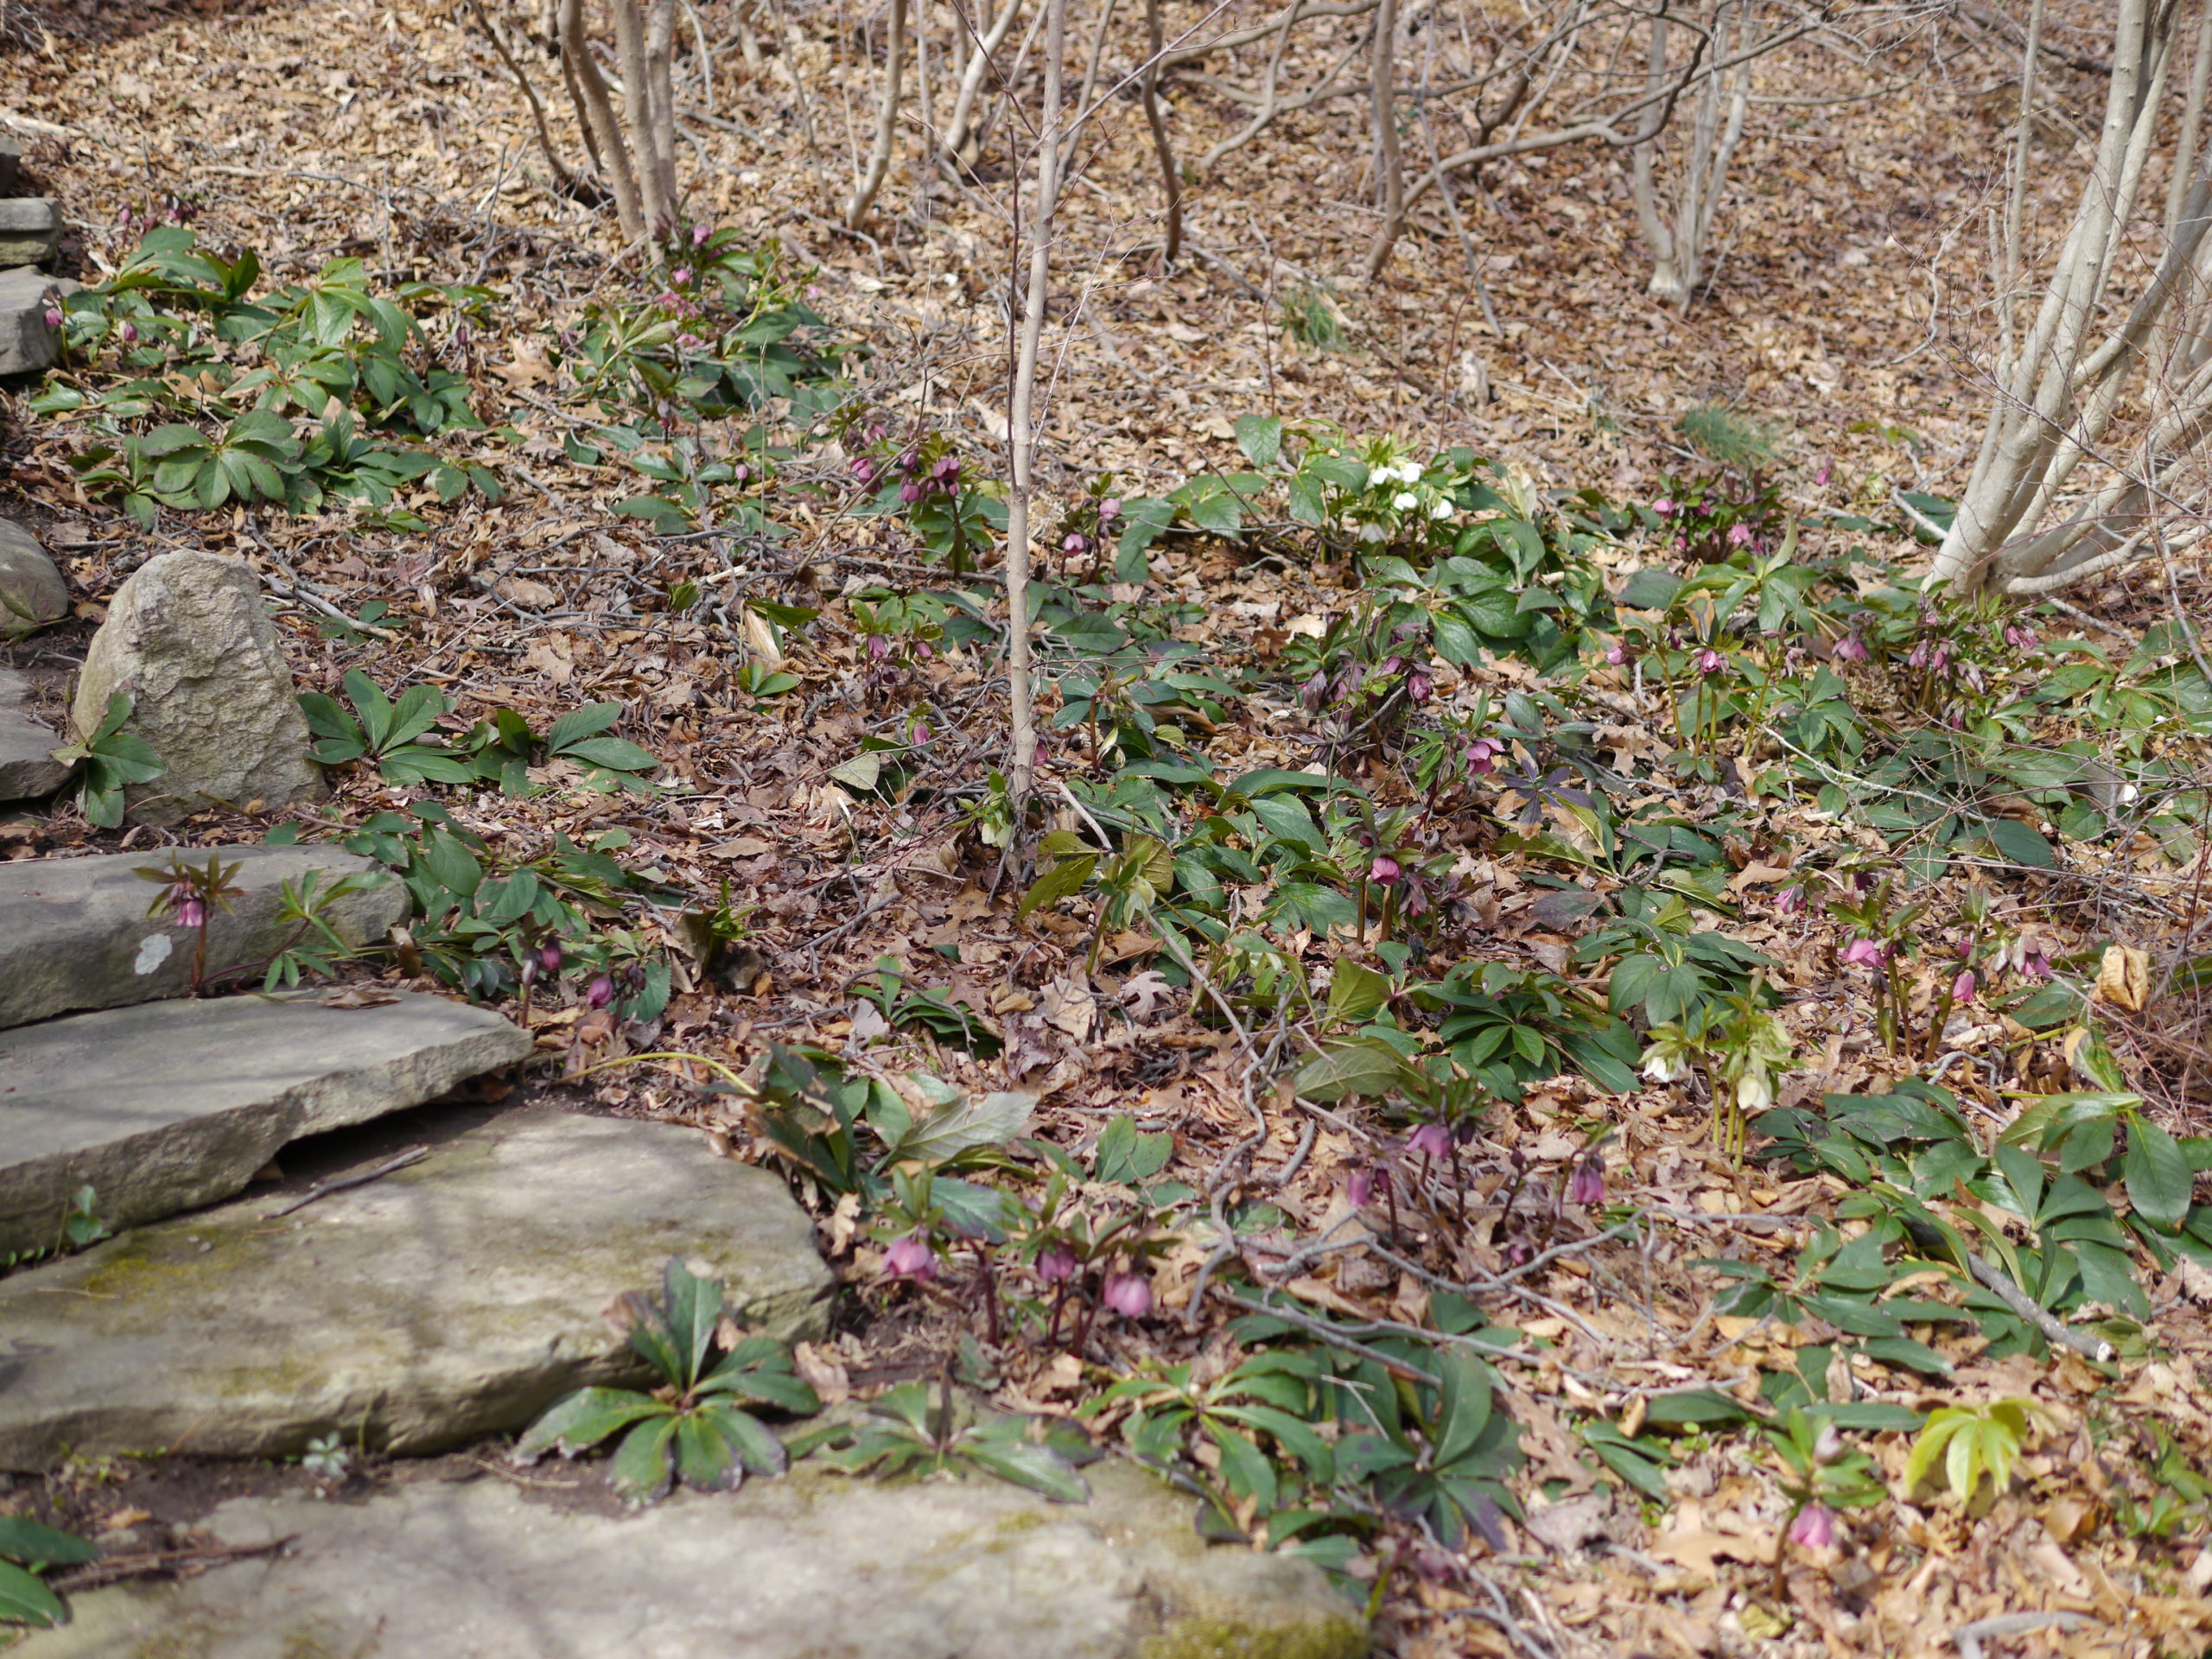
[1170, 179]
[1021, 769]
[1389, 166]
[658, 107]
[1677, 250]
[887, 117]
[971, 81]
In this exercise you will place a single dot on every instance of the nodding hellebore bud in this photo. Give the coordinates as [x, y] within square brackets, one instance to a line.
[911, 1257]
[600, 992]
[1359, 1186]
[1384, 868]
[1851, 649]
[1431, 1141]
[1586, 1185]
[1865, 952]
[1482, 754]
[1129, 1294]
[1056, 1264]
[910, 492]
[1814, 1527]
[550, 954]
[1109, 509]
[1419, 687]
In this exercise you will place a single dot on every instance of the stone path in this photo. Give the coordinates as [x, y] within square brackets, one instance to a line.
[450, 1297]
[809, 1567]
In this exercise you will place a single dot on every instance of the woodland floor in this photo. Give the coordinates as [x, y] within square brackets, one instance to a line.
[392, 133]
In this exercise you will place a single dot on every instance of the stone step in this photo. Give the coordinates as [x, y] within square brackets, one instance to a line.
[74, 933]
[171, 1105]
[453, 1298]
[804, 1566]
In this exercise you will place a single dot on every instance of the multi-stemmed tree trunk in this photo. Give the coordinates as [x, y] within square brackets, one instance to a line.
[1677, 245]
[637, 150]
[2092, 451]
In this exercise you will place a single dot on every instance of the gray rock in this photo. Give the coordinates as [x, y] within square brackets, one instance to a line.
[172, 1105]
[28, 344]
[188, 639]
[455, 1297]
[75, 932]
[32, 592]
[808, 1566]
[30, 231]
[28, 770]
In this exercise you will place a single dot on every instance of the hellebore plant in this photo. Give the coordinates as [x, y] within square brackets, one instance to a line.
[190, 897]
[690, 1428]
[1819, 1477]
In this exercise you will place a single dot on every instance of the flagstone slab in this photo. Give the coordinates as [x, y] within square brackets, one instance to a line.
[75, 932]
[813, 1566]
[454, 1298]
[168, 1106]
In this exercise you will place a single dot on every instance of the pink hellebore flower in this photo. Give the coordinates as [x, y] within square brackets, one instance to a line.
[1851, 648]
[192, 911]
[1664, 507]
[1056, 1264]
[1739, 535]
[1109, 509]
[911, 1257]
[1384, 868]
[921, 733]
[1585, 1186]
[131, 333]
[1359, 1186]
[1073, 543]
[1791, 900]
[1129, 1294]
[1814, 1527]
[52, 316]
[1419, 687]
[2019, 638]
[600, 992]
[1431, 1141]
[1710, 661]
[1866, 952]
[1962, 988]
[2035, 964]
[1617, 654]
[681, 276]
[1482, 754]
[550, 954]
[909, 492]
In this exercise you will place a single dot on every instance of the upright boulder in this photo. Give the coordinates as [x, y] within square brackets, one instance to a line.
[188, 640]
[32, 593]
[28, 342]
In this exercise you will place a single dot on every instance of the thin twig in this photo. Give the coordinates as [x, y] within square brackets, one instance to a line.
[412, 1155]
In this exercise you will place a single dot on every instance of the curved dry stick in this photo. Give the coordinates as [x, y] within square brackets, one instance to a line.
[1169, 177]
[1098, 52]
[560, 173]
[887, 118]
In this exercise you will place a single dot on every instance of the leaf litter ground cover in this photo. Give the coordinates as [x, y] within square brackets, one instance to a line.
[1624, 1086]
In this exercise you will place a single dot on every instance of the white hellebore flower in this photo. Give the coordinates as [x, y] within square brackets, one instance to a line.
[1410, 471]
[1666, 1068]
[1405, 501]
[1440, 508]
[1373, 533]
[1753, 1092]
